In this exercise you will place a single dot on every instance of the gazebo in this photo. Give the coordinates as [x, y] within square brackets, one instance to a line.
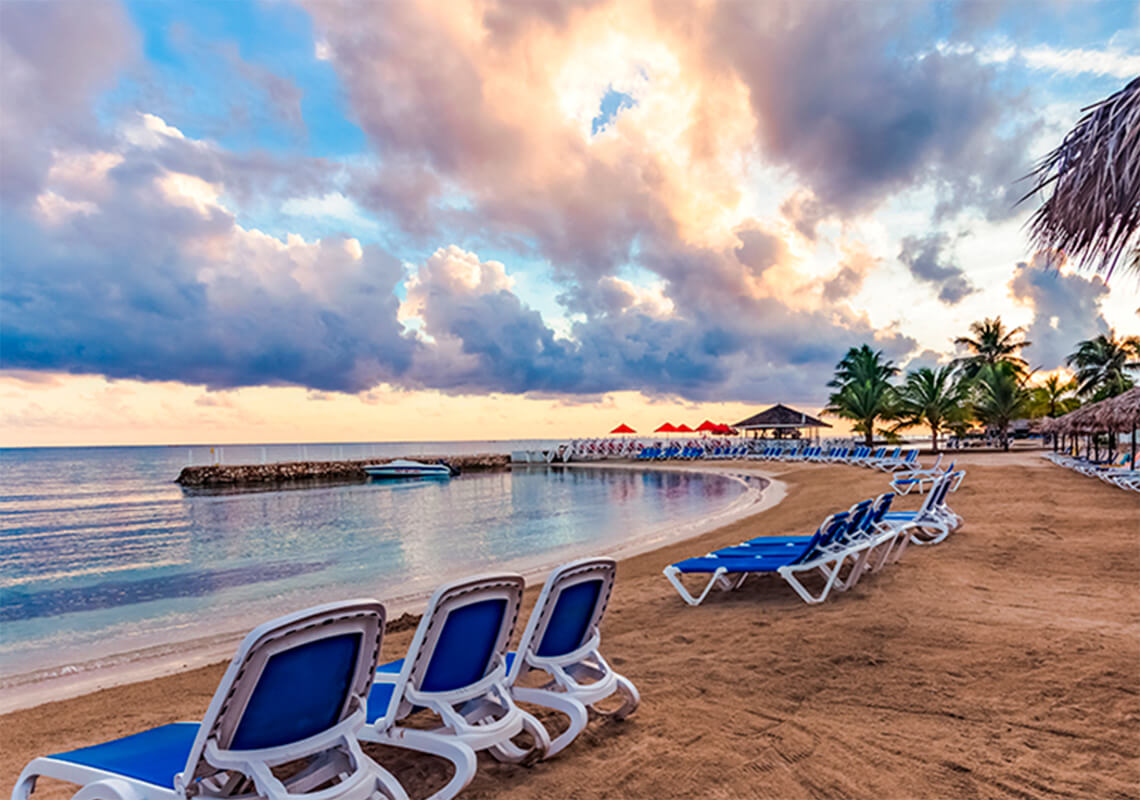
[782, 421]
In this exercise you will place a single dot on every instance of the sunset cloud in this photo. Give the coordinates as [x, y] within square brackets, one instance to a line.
[708, 201]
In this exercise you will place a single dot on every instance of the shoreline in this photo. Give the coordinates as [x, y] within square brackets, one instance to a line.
[23, 691]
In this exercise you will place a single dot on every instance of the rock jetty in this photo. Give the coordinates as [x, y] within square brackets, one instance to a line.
[222, 475]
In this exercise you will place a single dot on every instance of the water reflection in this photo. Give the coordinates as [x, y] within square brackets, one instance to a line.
[126, 558]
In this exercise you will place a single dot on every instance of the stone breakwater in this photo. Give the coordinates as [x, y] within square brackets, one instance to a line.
[214, 475]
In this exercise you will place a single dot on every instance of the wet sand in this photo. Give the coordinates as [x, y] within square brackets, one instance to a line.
[1004, 662]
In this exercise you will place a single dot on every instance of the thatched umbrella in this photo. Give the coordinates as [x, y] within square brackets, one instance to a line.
[1093, 213]
[1122, 413]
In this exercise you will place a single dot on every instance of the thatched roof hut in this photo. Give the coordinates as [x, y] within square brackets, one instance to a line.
[1121, 413]
[780, 418]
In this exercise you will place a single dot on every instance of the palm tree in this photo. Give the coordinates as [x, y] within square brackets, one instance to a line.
[933, 398]
[992, 343]
[863, 390]
[1093, 213]
[1000, 397]
[1102, 364]
[1053, 397]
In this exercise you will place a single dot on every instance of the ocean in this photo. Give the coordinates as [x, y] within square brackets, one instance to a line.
[103, 557]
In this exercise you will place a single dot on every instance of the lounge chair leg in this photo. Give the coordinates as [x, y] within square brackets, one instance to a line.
[831, 575]
[577, 713]
[110, 789]
[26, 783]
[854, 574]
[459, 754]
[510, 753]
[632, 697]
[922, 538]
[674, 578]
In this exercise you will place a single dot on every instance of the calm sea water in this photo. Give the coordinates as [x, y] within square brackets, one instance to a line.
[101, 554]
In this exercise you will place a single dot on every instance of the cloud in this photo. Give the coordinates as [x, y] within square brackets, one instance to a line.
[155, 279]
[56, 57]
[928, 260]
[857, 264]
[126, 254]
[928, 359]
[713, 347]
[805, 212]
[1066, 310]
[844, 95]
[1114, 61]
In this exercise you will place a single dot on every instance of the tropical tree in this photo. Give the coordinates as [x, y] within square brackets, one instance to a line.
[1092, 214]
[1053, 397]
[991, 343]
[932, 397]
[1000, 397]
[863, 390]
[1102, 364]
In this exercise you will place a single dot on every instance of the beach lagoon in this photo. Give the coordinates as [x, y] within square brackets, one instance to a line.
[103, 557]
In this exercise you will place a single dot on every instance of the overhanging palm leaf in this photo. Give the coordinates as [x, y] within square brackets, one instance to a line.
[1093, 213]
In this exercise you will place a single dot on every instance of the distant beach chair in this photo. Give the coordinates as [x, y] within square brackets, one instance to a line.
[875, 461]
[906, 460]
[931, 523]
[456, 667]
[866, 454]
[296, 690]
[905, 481]
[562, 639]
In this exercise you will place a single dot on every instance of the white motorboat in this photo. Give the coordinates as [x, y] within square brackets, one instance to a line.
[402, 468]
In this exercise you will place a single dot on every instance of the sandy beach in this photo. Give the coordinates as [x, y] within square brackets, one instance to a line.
[1002, 663]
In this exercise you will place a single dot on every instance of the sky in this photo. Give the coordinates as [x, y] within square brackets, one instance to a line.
[324, 221]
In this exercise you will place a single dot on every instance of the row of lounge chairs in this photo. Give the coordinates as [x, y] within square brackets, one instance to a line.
[603, 449]
[1118, 471]
[692, 451]
[307, 688]
[882, 458]
[846, 546]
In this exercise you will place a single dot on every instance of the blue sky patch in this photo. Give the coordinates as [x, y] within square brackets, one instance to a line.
[613, 103]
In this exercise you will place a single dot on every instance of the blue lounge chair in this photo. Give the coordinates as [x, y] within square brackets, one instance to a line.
[907, 460]
[456, 667]
[931, 523]
[562, 639]
[728, 568]
[294, 692]
[790, 545]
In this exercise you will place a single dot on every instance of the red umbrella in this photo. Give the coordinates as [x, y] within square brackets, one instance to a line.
[623, 428]
[724, 430]
[708, 427]
[683, 428]
[668, 427]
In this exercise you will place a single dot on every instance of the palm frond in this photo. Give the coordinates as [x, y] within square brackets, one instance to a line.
[1093, 212]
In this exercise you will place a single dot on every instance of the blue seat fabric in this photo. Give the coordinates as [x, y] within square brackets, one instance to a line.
[464, 648]
[570, 618]
[301, 692]
[154, 756]
[711, 564]
[378, 698]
